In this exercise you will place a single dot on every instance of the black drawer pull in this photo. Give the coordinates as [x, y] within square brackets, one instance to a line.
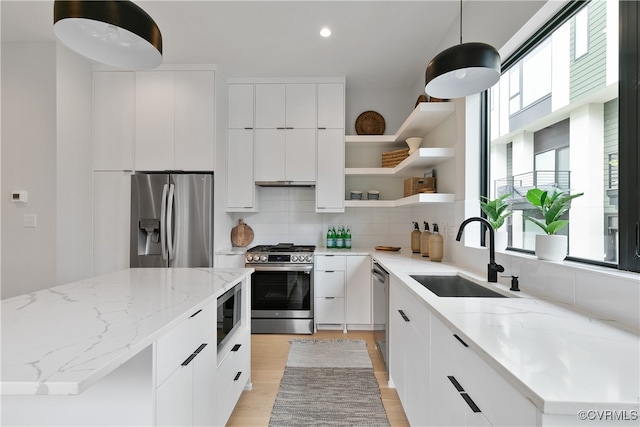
[329, 297]
[470, 402]
[189, 359]
[236, 347]
[240, 373]
[194, 314]
[199, 349]
[248, 128]
[460, 339]
[404, 316]
[455, 383]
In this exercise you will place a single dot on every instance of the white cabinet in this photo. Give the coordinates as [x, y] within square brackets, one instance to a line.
[329, 291]
[285, 139]
[290, 105]
[330, 148]
[498, 401]
[113, 120]
[240, 107]
[111, 221]
[330, 175]
[241, 189]
[175, 118]
[285, 155]
[185, 370]
[358, 290]
[331, 106]
[409, 352]
[233, 374]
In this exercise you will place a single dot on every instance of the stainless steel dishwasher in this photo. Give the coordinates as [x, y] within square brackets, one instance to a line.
[381, 311]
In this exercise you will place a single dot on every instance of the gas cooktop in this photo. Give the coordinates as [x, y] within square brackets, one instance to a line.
[282, 247]
[282, 253]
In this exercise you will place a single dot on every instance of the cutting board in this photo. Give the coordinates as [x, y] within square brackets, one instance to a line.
[241, 234]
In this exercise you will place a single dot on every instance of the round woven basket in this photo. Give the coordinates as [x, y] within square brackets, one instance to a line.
[370, 123]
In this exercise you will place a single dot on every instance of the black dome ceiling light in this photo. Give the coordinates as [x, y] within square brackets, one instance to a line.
[117, 32]
[462, 70]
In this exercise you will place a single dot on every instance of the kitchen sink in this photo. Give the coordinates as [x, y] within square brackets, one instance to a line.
[455, 286]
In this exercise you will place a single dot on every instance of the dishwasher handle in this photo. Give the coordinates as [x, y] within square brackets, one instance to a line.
[380, 274]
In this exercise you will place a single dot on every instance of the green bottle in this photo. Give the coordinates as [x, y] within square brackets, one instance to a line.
[331, 238]
[340, 238]
[347, 238]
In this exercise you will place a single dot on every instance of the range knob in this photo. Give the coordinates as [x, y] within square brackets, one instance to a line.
[307, 258]
[249, 258]
[294, 258]
[263, 258]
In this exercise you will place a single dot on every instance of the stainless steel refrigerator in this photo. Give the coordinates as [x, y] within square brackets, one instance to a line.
[171, 220]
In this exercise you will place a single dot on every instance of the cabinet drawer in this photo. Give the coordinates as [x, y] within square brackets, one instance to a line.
[501, 403]
[330, 262]
[178, 344]
[329, 284]
[233, 374]
[329, 310]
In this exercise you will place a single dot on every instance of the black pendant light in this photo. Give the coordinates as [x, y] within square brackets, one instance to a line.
[117, 32]
[462, 70]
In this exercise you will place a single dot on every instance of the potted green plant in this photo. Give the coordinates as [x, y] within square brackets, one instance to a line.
[497, 210]
[551, 204]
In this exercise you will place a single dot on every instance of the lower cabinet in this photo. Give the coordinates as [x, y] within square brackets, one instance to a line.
[409, 352]
[234, 371]
[495, 401]
[358, 290]
[440, 380]
[328, 291]
[185, 370]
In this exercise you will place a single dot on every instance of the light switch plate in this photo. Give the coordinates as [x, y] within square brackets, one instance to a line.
[29, 220]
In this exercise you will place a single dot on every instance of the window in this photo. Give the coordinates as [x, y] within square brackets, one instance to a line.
[564, 130]
[581, 34]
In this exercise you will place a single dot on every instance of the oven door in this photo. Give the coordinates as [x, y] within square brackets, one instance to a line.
[282, 291]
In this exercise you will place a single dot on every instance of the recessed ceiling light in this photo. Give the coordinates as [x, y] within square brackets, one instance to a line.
[325, 32]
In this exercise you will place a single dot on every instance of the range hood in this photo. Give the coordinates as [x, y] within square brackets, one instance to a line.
[307, 184]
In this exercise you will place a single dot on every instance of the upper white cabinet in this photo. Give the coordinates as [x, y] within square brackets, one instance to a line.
[285, 155]
[240, 113]
[290, 106]
[175, 112]
[331, 106]
[113, 120]
[241, 190]
[330, 148]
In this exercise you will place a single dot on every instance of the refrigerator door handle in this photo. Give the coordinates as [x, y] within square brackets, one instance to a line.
[170, 236]
[163, 228]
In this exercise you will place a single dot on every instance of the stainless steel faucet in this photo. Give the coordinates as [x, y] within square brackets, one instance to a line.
[493, 268]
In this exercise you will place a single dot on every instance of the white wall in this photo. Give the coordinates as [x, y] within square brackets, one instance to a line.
[28, 163]
[74, 177]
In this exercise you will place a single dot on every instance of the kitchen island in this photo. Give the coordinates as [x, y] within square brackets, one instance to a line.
[96, 351]
[523, 360]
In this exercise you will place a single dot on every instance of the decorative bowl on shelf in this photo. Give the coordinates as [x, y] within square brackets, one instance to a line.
[413, 143]
[356, 195]
[373, 195]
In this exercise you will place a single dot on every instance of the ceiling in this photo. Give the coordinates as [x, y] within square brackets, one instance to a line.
[374, 43]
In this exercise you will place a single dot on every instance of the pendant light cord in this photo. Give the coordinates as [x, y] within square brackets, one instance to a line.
[460, 21]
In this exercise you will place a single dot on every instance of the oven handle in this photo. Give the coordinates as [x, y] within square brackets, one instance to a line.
[304, 268]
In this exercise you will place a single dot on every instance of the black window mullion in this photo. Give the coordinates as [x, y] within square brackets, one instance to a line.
[629, 138]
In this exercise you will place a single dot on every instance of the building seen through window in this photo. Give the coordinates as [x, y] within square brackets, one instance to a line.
[553, 122]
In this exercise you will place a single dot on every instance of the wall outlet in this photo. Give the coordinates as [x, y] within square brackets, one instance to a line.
[29, 221]
[19, 196]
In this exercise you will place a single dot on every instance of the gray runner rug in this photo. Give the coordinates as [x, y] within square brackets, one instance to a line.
[328, 383]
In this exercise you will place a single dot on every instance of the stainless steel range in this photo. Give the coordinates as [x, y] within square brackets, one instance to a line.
[281, 288]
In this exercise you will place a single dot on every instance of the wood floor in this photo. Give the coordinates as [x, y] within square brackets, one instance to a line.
[268, 357]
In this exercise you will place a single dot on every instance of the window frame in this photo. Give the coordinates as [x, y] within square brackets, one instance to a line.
[629, 129]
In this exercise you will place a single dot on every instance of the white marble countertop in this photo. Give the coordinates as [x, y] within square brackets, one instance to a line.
[560, 359]
[63, 339]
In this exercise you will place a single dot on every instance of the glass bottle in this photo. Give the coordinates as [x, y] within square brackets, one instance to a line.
[415, 238]
[331, 238]
[347, 238]
[340, 238]
[435, 245]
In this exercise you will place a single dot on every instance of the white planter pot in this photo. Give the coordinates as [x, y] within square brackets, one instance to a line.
[551, 247]
[501, 238]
